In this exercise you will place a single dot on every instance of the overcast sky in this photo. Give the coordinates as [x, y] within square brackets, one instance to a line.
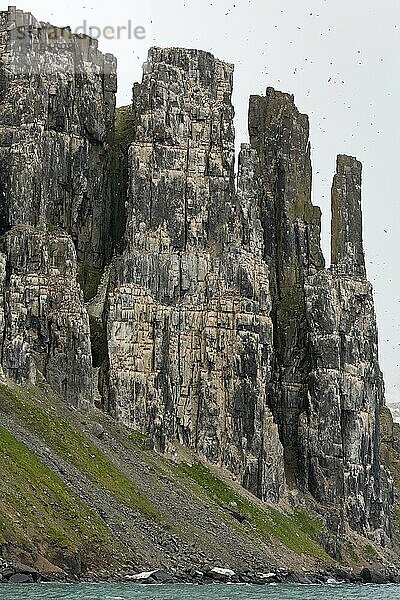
[340, 59]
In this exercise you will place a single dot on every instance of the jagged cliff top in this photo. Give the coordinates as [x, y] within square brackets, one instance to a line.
[49, 37]
[183, 56]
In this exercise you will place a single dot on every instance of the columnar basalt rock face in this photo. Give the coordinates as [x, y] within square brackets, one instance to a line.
[291, 231]
[190, 336]
[45, 332]
[183, 151]
[346, 390]
[326, 387]
[280, 135]
[57, 100]
[250, 193]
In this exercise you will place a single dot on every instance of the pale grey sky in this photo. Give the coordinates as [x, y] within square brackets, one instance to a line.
[341, 60]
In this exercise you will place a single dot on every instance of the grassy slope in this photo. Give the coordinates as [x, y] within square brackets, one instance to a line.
[299, 531]
[32, 407]
[391, 460]
[38, 510]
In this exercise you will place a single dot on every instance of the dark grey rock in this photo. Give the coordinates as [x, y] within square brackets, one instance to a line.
[347, 228]
[72, 562]
[6, 572]
[21, 578]
[298, 578]
[98, 430]
[162, 577]
[21, 568]
[369, 576]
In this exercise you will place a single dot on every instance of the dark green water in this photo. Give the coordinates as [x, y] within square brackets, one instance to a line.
[190, 592]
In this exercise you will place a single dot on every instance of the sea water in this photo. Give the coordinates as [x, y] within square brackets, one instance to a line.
[192, 592]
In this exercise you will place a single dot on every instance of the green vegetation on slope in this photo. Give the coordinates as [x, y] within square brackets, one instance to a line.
[124, 126]
[32, 408]
[390, 457]
[54, 513]
[297, 531]
[36, 506]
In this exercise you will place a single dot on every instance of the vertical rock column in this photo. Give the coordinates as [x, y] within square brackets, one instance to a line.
[57, 100]
[189, 328]
[340, 429]
[57, 104]
[326, 385]
[291, 225]
[347, 228]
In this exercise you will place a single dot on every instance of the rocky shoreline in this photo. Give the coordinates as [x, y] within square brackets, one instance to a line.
[18, 573]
